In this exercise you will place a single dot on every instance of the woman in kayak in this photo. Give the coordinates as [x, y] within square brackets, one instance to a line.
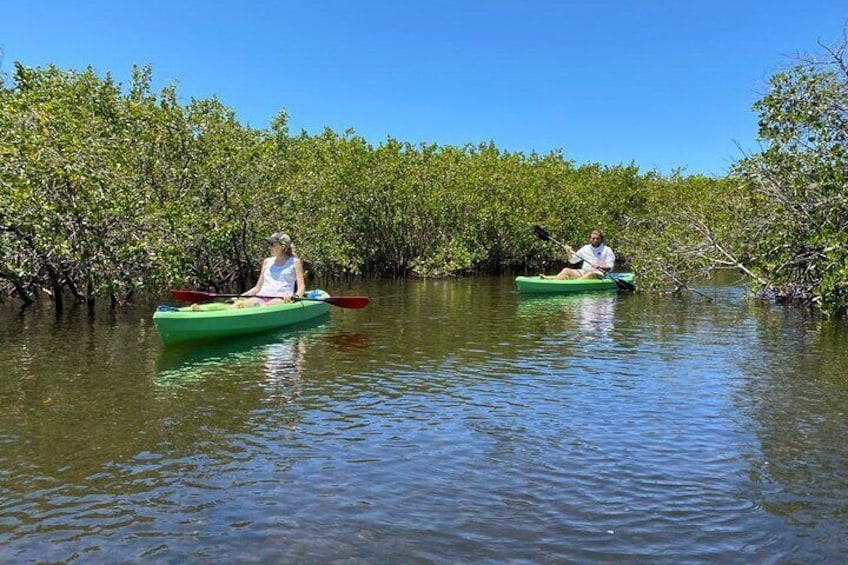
[280, 278]
[598, 260]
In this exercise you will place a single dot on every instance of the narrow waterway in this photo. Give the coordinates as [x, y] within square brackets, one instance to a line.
[450, 421]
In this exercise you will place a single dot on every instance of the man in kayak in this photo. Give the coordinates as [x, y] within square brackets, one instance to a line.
[280, 277]
[598, 260]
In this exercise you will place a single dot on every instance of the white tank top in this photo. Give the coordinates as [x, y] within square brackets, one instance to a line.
[278, 279]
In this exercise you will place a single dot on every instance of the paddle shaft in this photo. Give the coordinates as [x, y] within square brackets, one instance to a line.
[567, 248]
[341, 301]
[199, 294]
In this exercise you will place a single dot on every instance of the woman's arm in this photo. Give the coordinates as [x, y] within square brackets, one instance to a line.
[298, 273]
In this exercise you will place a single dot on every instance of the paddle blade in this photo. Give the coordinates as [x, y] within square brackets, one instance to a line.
[352, 302]
[193, 295]
[622, 284]
[541, 233]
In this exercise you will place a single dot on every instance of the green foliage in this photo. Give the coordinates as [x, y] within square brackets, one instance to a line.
[779, 217]
[105, 192]
[798, 184]
[690, 226]
[110, 193]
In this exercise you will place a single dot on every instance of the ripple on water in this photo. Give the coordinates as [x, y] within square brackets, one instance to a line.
[470, 425]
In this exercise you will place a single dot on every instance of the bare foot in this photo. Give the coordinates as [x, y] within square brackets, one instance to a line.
[195, 308]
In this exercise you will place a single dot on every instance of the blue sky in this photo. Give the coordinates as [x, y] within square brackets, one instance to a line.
[665, 84]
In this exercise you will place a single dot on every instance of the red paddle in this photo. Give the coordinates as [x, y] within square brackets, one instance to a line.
[353, 302]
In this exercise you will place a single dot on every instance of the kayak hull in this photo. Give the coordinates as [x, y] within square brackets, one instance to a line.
[219, 320]
[537, 285]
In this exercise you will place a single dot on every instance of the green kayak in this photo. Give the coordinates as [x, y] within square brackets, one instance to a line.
[538, 285]
[217, 319]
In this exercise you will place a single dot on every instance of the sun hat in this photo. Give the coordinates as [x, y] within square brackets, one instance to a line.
[280, 238]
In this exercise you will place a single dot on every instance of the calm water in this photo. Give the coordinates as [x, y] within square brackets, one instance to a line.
[449, 422]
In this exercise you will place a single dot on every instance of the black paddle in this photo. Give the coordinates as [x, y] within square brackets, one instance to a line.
[543, 234]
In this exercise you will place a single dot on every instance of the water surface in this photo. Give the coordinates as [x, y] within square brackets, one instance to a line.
[451, 421]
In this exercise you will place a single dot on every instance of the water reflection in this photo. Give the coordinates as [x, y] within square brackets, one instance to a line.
[449, 421]
[796, 389]
[590, 314]
[272, 354]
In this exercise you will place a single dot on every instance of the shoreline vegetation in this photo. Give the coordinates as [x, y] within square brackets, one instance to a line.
[110, 191]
